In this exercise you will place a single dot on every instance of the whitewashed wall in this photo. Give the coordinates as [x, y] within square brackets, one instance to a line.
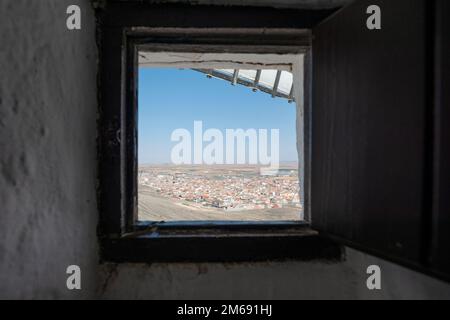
[48, 217]
[282, 280]
[48, 111]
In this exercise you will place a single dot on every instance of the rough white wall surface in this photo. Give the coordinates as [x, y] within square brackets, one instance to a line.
[288, 280]
[48, 111]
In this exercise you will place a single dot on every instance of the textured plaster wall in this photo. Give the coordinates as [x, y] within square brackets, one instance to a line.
[288, 280]
[48, 111]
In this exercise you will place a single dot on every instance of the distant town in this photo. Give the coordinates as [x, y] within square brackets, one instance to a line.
[225, 188]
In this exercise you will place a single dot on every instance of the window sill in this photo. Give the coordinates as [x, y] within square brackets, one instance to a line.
[221, 242]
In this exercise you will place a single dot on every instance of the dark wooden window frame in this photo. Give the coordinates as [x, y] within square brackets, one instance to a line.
[124, 24]
[122, 237]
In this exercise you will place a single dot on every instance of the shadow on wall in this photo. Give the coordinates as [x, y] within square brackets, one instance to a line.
[282, 280]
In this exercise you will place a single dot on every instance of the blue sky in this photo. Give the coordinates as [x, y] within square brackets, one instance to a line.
[171, 98]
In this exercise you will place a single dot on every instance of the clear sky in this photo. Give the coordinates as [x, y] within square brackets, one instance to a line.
[171, 98]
